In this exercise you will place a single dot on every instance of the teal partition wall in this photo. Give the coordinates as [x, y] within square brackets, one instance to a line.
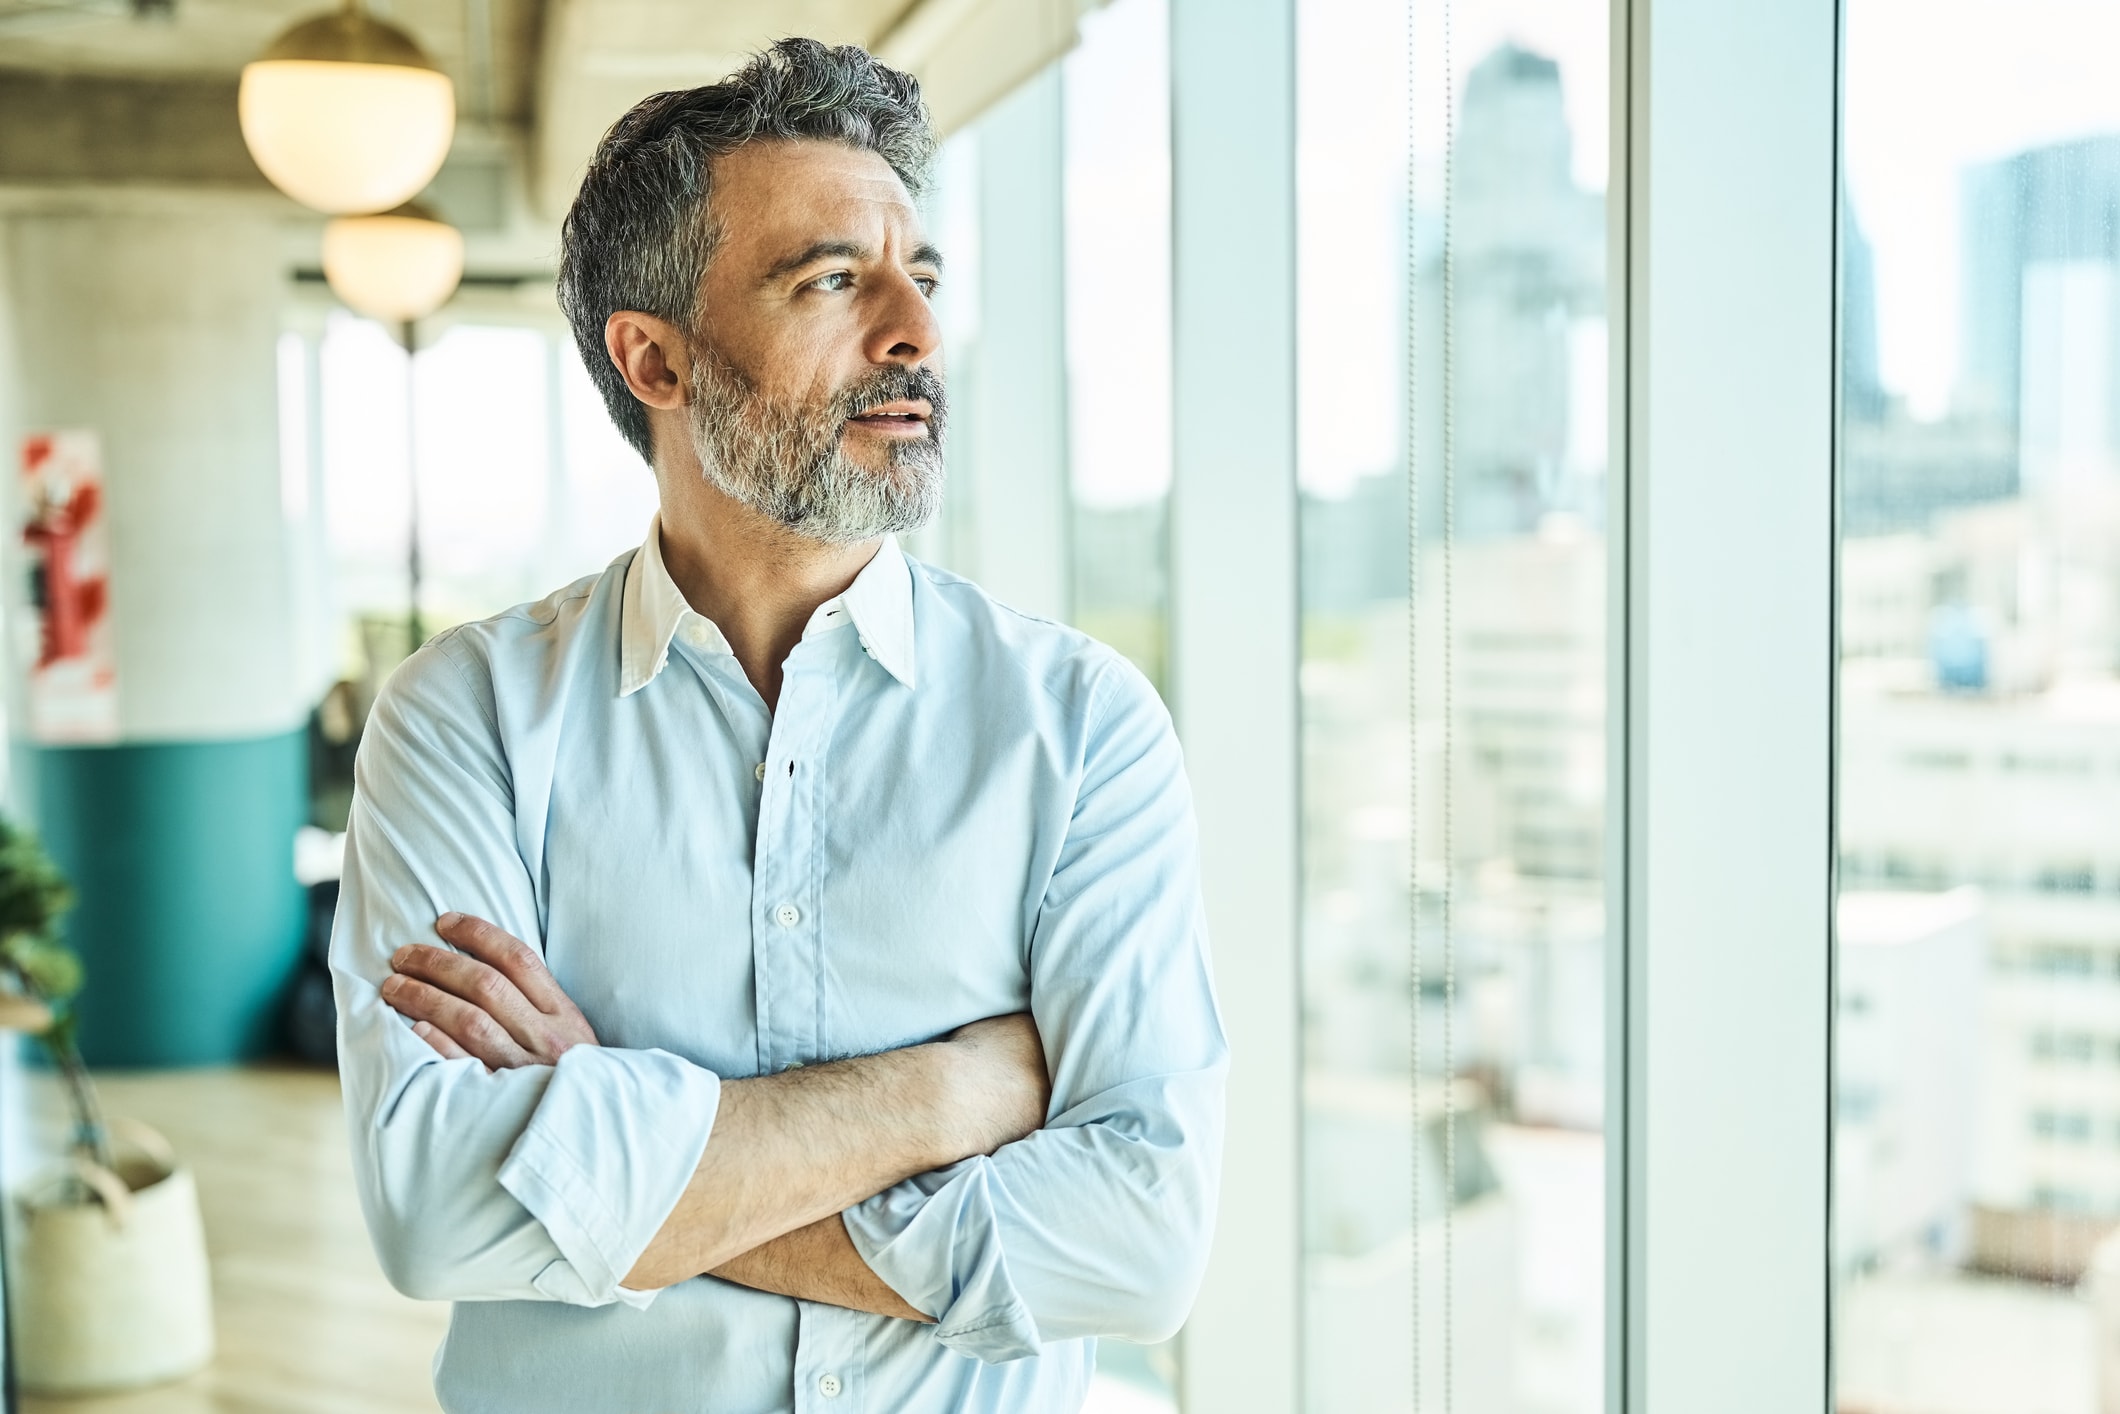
[189, 920]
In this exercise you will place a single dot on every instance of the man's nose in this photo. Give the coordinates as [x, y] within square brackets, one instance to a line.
[904, 330]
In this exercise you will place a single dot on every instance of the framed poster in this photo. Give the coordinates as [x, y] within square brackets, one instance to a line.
[72, 682]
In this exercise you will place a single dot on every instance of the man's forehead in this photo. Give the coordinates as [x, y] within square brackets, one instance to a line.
[771, 194]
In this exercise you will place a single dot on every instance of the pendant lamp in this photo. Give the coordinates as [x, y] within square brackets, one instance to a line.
[347, 114]
[397, 267]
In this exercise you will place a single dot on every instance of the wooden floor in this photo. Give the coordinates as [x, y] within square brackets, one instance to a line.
[305, 1322]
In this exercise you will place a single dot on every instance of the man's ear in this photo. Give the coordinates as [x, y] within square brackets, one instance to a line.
[652, 355]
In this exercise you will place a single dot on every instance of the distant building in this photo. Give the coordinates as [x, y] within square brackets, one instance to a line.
[1862, 395]
[2057, 205]
[1530, 309]
[1899, 473]
[1913, 967]
[2020, 795]
[2038, 394]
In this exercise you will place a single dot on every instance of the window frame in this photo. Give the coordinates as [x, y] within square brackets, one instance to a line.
[1726, 197]
[1233, 655]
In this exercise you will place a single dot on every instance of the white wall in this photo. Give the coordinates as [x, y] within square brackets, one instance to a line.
[155, 325]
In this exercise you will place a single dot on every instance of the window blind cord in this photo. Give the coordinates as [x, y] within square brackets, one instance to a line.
[1413, 686]
[1414, 462]
[1449, 802]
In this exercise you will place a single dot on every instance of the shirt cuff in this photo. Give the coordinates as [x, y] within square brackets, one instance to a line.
[935, 1240]
[604, 1160]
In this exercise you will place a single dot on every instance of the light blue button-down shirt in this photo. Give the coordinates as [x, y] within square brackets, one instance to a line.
[956, 812]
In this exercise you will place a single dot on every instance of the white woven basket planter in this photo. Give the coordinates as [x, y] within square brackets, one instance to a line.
[111, 1292]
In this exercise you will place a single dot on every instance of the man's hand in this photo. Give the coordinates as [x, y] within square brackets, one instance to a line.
[493, 1000]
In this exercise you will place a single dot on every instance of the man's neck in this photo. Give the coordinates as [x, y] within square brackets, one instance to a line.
[756, 579]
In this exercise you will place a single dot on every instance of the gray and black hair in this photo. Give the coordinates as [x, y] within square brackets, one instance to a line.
[638, 237]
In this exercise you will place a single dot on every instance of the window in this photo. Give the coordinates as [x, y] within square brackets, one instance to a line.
[1116, 214]
[524, 484]
[1452, 690]
[1981, 577]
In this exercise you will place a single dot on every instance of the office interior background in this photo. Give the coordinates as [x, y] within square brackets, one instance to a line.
[1622, 498]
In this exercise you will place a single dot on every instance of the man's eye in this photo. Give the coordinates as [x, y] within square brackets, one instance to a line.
[928, 284]
[837, 280]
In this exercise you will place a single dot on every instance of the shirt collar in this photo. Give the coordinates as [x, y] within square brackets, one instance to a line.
[879, 602]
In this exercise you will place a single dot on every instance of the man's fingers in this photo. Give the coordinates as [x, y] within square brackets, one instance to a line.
[439, 1039]
[473, 981]
[541, 1033]
[478, 1034]
[507, 954]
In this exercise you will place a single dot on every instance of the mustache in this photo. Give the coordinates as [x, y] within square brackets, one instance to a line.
[888, 385]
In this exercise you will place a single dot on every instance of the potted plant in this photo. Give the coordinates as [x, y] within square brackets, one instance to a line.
[108, 1285]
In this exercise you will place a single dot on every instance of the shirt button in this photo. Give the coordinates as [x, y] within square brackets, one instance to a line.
[760, 772]
[828, 1386]
[787, 915]
[697, 634]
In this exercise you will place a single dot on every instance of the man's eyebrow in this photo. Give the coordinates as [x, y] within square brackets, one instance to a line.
[924, 254]
[823, 250]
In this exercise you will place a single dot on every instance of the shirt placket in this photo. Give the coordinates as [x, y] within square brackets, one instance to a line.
[785, 885]
[830, 1370]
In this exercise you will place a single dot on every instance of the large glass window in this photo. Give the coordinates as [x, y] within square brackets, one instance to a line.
[523, 483]
[1452, 450]
[1116, 210]
[1977, 1162]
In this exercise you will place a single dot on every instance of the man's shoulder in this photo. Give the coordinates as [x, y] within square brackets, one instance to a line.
[519, 646]
[970, 620]
[1087, 676]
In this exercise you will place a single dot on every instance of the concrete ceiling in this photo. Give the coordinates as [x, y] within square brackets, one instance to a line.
[489, 47]
[553, 73]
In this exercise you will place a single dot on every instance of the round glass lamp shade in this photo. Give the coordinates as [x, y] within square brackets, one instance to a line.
[345, 113]
[397, 267]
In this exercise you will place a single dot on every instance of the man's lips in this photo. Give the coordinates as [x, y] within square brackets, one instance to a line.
[904, 418]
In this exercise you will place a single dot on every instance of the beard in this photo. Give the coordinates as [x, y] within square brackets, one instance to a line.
[788, 461]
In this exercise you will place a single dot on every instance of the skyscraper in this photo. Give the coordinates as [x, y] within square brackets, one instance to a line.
[2050, 206]
[1530, 269]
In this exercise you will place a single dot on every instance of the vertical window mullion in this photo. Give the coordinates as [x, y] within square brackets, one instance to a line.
[1233, 651]
[1731, 176]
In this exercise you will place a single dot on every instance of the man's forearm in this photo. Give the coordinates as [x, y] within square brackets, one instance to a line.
[787, 1151]
[818, 1263]
[792, 1149]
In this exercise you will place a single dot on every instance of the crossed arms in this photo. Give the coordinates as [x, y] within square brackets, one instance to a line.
[790, 1152]
[598, 1173]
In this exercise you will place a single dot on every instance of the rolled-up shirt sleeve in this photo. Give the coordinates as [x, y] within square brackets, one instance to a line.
[1097, 1225]
[538, 1183]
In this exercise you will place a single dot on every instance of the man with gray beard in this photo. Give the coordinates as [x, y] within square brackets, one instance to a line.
[771, 973]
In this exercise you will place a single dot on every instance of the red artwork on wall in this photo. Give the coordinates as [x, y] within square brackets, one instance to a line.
[73, 674]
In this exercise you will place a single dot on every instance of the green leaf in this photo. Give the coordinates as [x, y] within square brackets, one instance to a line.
[33, 896]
